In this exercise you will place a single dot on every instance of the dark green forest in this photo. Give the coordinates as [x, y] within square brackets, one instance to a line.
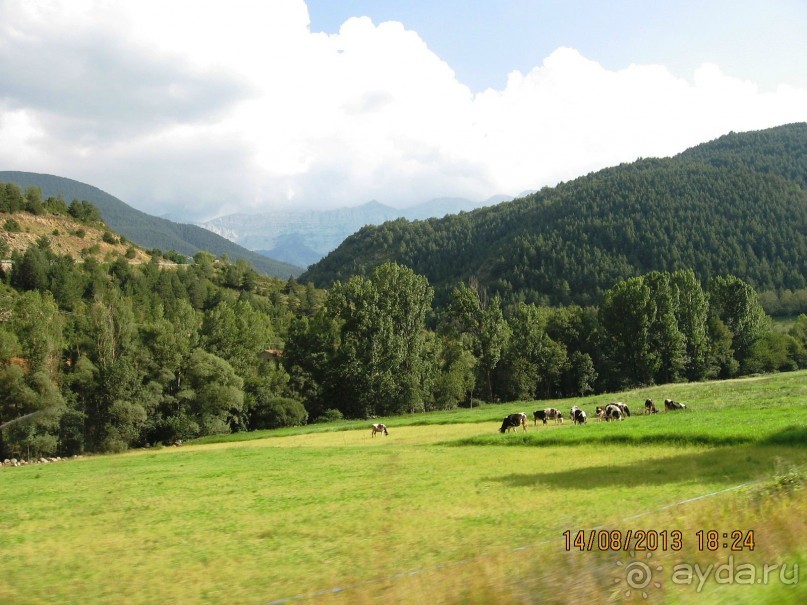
[735, 206]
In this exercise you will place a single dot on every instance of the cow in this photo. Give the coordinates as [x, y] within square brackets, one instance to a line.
[379, 428]
[600, 412]
[613, 412]
[513, 421]
[577, 415]
[539, 415]
[554, 414]
[672, 406]
[622, 408]
[650, 407]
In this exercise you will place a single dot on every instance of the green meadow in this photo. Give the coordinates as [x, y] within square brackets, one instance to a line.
[443, 510]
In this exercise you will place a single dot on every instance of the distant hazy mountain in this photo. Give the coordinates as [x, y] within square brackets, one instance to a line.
[291, 249]
[305, 236]
[146, 230]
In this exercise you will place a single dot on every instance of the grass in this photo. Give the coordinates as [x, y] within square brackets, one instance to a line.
[447, 510]
[785, 426]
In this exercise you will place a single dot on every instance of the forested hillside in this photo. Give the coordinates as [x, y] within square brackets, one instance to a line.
[103, 349]
[146, 230]
[781, 151]
[734, 206]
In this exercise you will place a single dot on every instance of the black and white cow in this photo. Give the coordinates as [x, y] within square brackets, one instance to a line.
[577, 415]
[600, 412]
[613, 412]
[513, 421]
[554, 414]
[672, 406]
[622, 408]
[650, 407]
[379, 428]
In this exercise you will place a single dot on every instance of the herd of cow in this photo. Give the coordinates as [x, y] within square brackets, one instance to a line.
[607, 413]
[612, 411]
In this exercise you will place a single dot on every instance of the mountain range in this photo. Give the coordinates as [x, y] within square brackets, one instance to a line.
[302, 237]
[146, 230]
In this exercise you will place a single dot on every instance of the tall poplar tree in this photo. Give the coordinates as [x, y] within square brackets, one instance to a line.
[378, 367]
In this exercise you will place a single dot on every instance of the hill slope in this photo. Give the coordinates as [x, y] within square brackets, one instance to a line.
[146, 230]
[734, 206]
[780, 151]
[66, 236]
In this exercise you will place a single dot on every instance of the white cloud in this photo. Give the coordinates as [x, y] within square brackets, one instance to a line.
[203, 108]
[19, 135]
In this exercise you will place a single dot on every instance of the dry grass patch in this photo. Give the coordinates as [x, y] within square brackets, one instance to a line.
[63, 235]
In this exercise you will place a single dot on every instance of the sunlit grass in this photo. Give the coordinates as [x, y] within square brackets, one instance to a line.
[784, 426]
[406, 518]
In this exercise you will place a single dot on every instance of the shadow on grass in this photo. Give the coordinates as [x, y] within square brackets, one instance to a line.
[793, 435]
[723, 465]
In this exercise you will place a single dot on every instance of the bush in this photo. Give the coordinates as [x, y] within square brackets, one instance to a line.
[277, 412]
[12, 226]
[94, 249]
[175, 257]
[331, 416]
[109, 238]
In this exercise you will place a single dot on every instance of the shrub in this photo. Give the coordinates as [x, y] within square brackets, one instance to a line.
[94, 249]
[175, 257]
[12, 226]
[331, 416]
[277, 412]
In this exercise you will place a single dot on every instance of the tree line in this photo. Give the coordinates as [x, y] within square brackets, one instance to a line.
[362, 354]
[105, 356]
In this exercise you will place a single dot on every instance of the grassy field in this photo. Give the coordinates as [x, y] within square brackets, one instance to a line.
[443, 510]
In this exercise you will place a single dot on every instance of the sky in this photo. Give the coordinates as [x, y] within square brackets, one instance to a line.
[196, 109]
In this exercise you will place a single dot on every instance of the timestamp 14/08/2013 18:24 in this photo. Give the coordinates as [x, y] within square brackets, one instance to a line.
[652, 540]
